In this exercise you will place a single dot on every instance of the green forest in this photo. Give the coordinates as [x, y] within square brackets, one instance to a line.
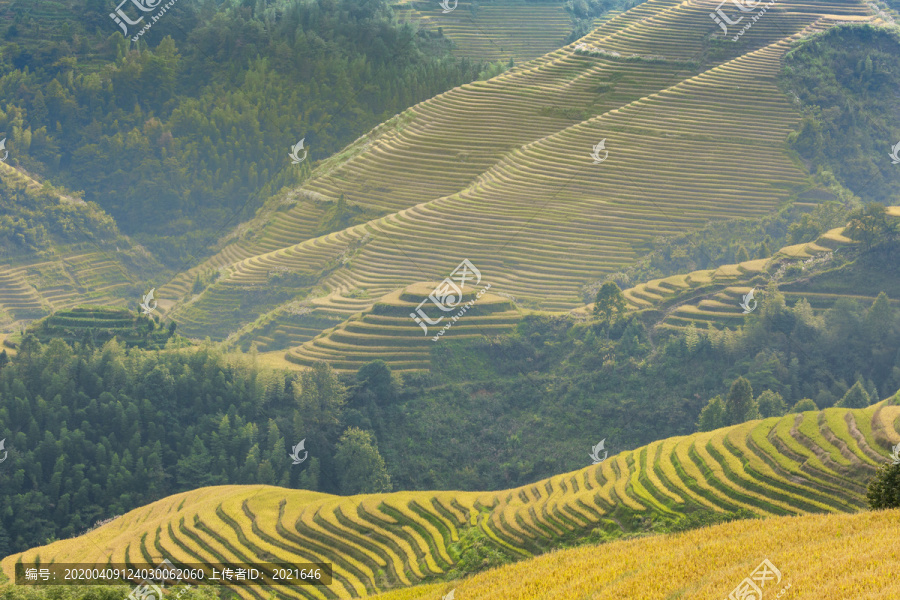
[845, 81]
[96, 431]
[171, 144]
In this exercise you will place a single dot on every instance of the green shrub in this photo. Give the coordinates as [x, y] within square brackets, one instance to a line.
[884, 489]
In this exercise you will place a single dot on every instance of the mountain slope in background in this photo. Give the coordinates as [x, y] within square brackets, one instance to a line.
[501, 173]
[58, 252]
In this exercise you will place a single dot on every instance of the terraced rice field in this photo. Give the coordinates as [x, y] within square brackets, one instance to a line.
[500, 172]
[387, 332]
[711, 299]
[813, 462]
[75, 274]
[79, 275]
[99, 324]
[817, 556]
[496, 31]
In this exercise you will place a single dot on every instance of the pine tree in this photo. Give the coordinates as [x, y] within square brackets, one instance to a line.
[879, 318]
[856, 397]
[691, 338]
[884, 489]
[712, 416]
[360, 467]
[740, 406]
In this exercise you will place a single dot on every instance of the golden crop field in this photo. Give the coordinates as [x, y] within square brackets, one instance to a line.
[818, 557]
[815, 462]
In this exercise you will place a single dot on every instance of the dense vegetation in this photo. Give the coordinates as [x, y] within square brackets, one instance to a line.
[845, 81]
[33, 221]
[94, 326]
[163, 130]
[493, 413]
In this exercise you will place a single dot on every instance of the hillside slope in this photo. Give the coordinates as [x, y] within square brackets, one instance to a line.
[710, 299]
[496, 31]
[79, 257]
[817, 557]
[500, 172]
[810, 462]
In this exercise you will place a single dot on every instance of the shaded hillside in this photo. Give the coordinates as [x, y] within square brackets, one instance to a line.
[196, 118]
[844, 83]
[58, 251]
[810, 462]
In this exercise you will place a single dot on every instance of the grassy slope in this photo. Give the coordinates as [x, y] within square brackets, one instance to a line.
[815, 462]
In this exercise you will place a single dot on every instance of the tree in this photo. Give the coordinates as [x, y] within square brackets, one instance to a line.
[691, 337]
[871, 225]
[856, 397]
[320, 398]
[771, 404]
[195, 468]
[739, 404]
[884, 489]
[804, 405]
[376, 378]
[309, 478]
[712, 416]
[610, 302]
[360, 467]
[880, 317]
